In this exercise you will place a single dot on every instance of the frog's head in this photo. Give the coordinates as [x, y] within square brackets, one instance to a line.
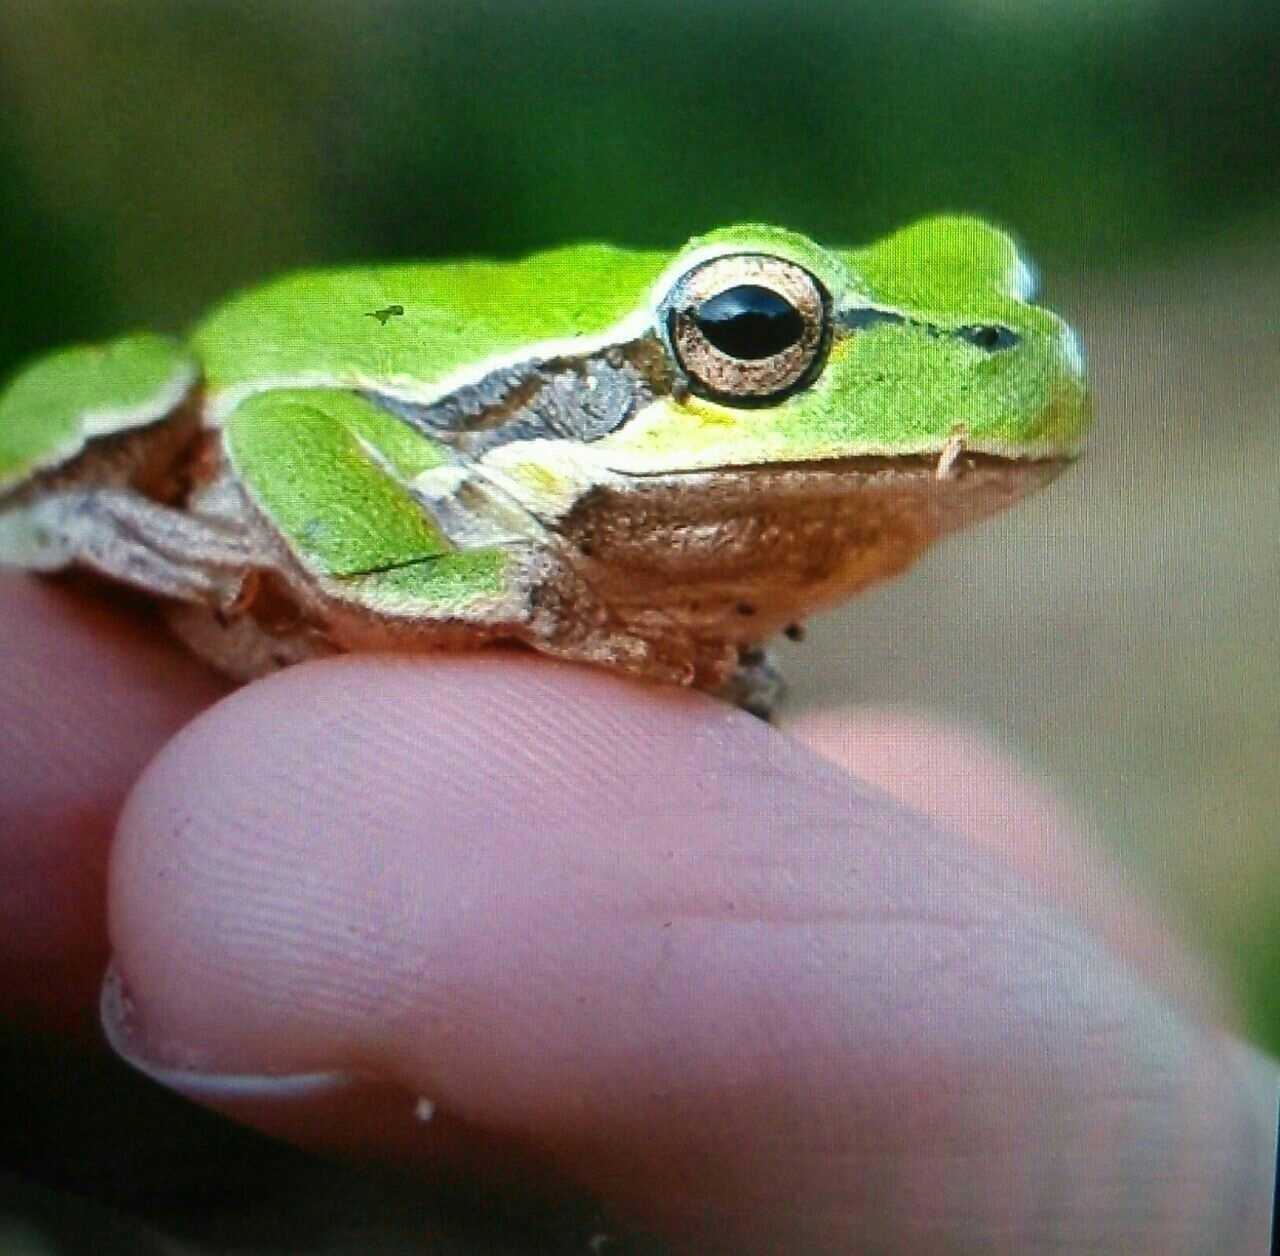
[811, 420]
[788, 352]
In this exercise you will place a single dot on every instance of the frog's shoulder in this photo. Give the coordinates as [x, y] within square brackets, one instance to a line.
[421, 321]
[55, 406]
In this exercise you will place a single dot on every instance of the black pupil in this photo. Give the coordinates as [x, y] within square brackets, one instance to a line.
[749, 322]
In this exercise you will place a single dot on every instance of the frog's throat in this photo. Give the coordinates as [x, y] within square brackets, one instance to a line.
[740, 552]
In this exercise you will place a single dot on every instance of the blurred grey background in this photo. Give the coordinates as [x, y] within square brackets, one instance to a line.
[1119, 633]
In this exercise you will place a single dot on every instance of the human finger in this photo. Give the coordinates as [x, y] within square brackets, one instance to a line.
[646, 944]
[89, 691]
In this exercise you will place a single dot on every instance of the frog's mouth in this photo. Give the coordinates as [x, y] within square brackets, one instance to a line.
[920, 495]
[950, 463]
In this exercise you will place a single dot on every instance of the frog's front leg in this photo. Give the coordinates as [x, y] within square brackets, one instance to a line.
[579, 627]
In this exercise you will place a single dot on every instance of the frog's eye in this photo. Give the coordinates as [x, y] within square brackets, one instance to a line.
[748, 328]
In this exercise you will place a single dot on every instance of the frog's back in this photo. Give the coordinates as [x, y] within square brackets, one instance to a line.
[56, 406]
[417, 324]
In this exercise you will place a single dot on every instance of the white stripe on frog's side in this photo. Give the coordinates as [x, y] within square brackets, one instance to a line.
[110, 421]
[545, 478]
[420, 392]
[106, 420]
[441, 482]
[1073, 353]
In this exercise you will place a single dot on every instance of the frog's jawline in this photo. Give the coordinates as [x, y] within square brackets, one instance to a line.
[869, 464]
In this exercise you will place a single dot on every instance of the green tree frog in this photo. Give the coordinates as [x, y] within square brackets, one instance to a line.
[648, 461]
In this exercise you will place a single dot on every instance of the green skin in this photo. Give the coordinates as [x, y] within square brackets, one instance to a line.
[370, 520]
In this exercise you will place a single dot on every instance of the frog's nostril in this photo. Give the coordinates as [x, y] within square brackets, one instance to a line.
[989, 336]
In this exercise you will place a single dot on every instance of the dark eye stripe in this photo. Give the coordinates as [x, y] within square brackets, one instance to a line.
[989, 336]
[863, 317]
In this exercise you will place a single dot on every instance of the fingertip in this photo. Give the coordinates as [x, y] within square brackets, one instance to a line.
[338, 805]
[88, 693]
[670, 951]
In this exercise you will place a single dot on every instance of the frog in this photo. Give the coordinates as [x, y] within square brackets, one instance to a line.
[649, 461]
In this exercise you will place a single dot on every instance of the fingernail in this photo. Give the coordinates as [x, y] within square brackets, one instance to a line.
[182, 1068]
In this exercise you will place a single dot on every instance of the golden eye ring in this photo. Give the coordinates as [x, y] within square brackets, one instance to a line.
[748, 329]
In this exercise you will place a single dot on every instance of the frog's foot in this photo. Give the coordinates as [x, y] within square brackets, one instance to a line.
[756, 686]
[122, 535]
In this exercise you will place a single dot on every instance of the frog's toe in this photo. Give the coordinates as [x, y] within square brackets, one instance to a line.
[757, 685]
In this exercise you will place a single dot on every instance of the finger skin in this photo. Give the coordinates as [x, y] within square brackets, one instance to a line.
[673, 956]
[88, 693]
[984, 797]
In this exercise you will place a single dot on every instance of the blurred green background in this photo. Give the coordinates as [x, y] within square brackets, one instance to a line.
[154, 154]
[1120, 632]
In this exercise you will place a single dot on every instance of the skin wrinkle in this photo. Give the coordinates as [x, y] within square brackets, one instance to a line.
[778, 1018]
[321, 946]
[302, 937]
[256, 925]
